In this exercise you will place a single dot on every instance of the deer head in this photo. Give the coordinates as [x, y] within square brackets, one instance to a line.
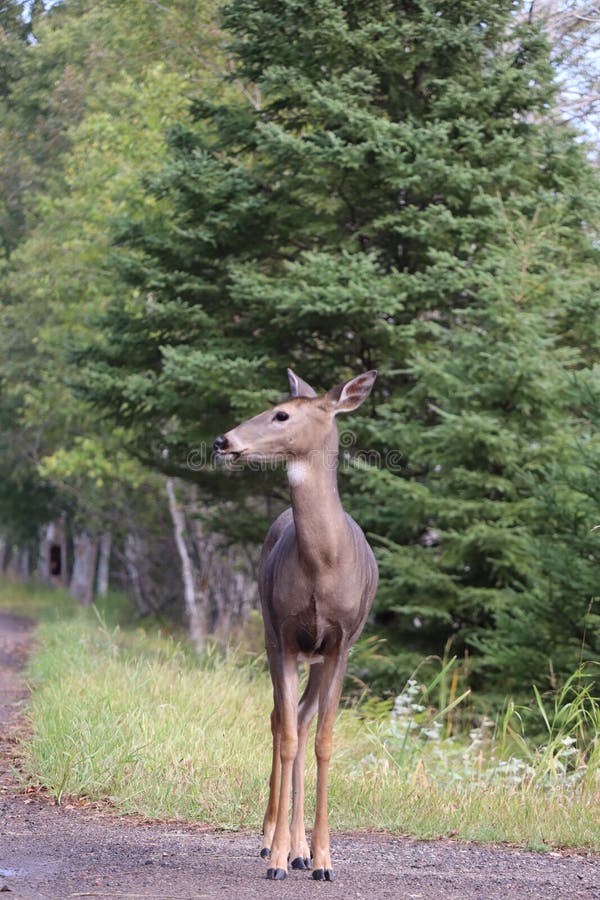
[294, 429]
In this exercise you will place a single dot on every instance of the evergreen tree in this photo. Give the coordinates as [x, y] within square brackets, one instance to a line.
[395, 197]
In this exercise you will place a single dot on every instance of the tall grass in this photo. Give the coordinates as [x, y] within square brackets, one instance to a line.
[135, 718]
[566, 753]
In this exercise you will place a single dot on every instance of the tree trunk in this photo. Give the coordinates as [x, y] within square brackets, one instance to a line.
[104, 564]
[85, 548]
[18, 561]
[11, 557]
[18, 564]
[24, 568]
[228, 580]
[3, 552]
[137, 574]
[192, 608]
[52, 559]
[220, 577]
[43, 565]
[63, 578]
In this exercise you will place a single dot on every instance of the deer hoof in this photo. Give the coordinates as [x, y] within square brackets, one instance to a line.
[265, 852]
[300, 863]
[323, 875]
[276, 874]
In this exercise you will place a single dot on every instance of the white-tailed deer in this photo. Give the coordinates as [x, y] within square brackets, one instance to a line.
[317, 582]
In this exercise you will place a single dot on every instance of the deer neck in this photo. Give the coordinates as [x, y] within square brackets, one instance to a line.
[319, 516]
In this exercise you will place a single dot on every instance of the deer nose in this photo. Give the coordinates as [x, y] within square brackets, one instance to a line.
[221, 443]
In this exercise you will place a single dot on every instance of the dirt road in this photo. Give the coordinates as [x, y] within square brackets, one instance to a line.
[53, 852]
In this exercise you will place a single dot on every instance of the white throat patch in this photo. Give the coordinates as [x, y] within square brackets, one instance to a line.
[296, 472]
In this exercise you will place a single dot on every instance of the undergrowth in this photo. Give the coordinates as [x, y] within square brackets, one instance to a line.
[134, 717]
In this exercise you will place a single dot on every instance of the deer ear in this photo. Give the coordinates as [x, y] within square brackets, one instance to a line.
[349, 395]
[299, 387]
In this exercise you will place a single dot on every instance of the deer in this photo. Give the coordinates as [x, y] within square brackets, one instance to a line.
[317, 580]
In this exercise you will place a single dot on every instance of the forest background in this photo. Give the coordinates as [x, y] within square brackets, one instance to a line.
[193, 198]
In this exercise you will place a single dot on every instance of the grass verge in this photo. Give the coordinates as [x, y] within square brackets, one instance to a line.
[134, 717]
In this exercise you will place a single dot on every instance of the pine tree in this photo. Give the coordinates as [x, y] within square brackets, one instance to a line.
[395, 197]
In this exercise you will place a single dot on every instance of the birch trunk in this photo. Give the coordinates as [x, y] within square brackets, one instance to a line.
[85, 550]
[104, 564]
[63, 578]
[43, 566]
[194, 616]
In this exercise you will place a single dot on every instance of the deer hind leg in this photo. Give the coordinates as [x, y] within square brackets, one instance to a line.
[284, 673]
[332, 679]
[274, 787]
[300, 853]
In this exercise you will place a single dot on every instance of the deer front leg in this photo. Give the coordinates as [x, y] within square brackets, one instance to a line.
[270, 818]
[285, 683]
[300, 853]
[334, 668]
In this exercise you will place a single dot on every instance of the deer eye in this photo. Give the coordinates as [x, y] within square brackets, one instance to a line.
[281, 416]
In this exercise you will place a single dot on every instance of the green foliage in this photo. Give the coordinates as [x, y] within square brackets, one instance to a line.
[397, 196]
[26, 500]
[84, 115]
